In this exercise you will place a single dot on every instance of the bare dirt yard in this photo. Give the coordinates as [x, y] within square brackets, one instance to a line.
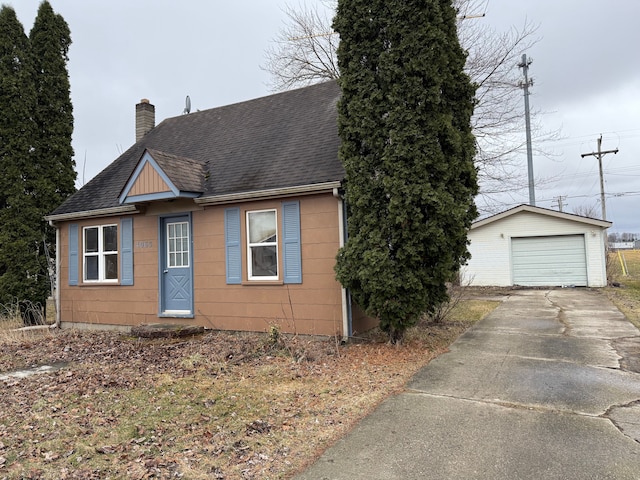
[220, 405]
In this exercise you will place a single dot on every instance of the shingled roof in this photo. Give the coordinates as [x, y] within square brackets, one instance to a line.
[284, 140]
[188, 175]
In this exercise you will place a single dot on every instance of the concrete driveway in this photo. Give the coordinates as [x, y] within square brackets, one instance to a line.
[537, 390]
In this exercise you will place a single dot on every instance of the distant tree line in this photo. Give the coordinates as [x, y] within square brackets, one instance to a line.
[36, 158]
[623, 237]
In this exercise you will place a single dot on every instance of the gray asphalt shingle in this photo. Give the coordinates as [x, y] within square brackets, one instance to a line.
[282, 140]
[186, 174]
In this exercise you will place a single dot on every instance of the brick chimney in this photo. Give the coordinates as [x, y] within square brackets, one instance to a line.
[145, 118]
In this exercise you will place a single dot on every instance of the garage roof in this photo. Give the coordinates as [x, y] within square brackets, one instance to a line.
[542, 211]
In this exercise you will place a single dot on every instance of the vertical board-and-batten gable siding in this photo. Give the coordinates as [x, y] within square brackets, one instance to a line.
[490, 246]
[149, 181]
[313, 306]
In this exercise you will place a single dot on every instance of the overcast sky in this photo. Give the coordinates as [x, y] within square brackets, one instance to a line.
[585, 68]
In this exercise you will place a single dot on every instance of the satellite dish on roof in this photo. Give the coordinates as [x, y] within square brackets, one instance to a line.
[187, 105]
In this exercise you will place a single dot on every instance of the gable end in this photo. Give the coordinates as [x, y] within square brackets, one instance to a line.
[149, 181]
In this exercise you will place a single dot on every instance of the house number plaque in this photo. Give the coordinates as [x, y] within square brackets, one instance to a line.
[145, 244]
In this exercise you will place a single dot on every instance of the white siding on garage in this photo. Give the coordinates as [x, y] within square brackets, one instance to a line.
[549, 261]
[490, 246]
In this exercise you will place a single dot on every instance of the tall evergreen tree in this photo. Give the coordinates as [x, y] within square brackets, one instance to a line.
[52, 154]
[407, 148]
[20, 224]
[36, 158]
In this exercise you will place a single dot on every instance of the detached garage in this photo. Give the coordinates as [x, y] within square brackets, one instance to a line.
[533, 246]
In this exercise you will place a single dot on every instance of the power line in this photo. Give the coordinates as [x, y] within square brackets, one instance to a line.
[622, 171]
[577, 139]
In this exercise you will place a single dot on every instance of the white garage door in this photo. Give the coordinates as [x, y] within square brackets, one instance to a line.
[549, 261]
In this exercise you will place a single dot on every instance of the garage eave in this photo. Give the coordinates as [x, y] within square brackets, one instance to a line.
[542, 211]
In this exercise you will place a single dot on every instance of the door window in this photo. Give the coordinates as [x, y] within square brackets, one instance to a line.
[178, 244]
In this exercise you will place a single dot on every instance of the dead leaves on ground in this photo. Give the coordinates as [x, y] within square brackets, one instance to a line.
[218, 406]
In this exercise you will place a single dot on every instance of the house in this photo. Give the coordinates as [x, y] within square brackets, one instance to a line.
[533, 246]
[622, 245]
[228, 218]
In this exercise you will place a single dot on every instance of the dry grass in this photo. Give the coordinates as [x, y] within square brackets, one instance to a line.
[12, 329]
[218, 406]
[627, 296]
[10, 317]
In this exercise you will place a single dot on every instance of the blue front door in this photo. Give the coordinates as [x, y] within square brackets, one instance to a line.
[176, 283]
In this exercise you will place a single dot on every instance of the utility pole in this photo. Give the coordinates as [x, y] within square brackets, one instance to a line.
[560, 200]
[525, 85]
[599, 154]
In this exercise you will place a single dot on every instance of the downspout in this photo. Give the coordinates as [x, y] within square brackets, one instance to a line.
[56, 299]
[347, 320]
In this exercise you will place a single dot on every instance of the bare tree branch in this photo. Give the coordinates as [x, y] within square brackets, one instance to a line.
[304, 52]
[591, 211]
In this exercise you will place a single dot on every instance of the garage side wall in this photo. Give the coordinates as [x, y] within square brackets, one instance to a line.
[490, 247]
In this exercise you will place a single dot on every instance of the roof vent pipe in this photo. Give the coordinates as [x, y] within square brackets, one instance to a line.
[145, 118]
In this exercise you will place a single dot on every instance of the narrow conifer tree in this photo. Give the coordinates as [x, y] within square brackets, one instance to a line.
[52, 152]
[407, 148]
[20, 224]
[50, 40]
[36, 158]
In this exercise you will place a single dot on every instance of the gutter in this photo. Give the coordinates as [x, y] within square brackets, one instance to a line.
[347, 320]
[266, 194]
[56, 298]
[102, 212]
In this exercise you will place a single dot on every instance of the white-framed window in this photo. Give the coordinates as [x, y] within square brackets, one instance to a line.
[100, 253]
[178, 244]
[262, 245]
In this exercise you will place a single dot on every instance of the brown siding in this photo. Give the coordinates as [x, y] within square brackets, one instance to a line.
[360, 321]
[149, 181]
[313, 307]
[110, 304]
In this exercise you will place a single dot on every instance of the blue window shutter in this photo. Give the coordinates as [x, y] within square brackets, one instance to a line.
[291, 242]
[126, 255]
[73, 254]
[232, 245]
